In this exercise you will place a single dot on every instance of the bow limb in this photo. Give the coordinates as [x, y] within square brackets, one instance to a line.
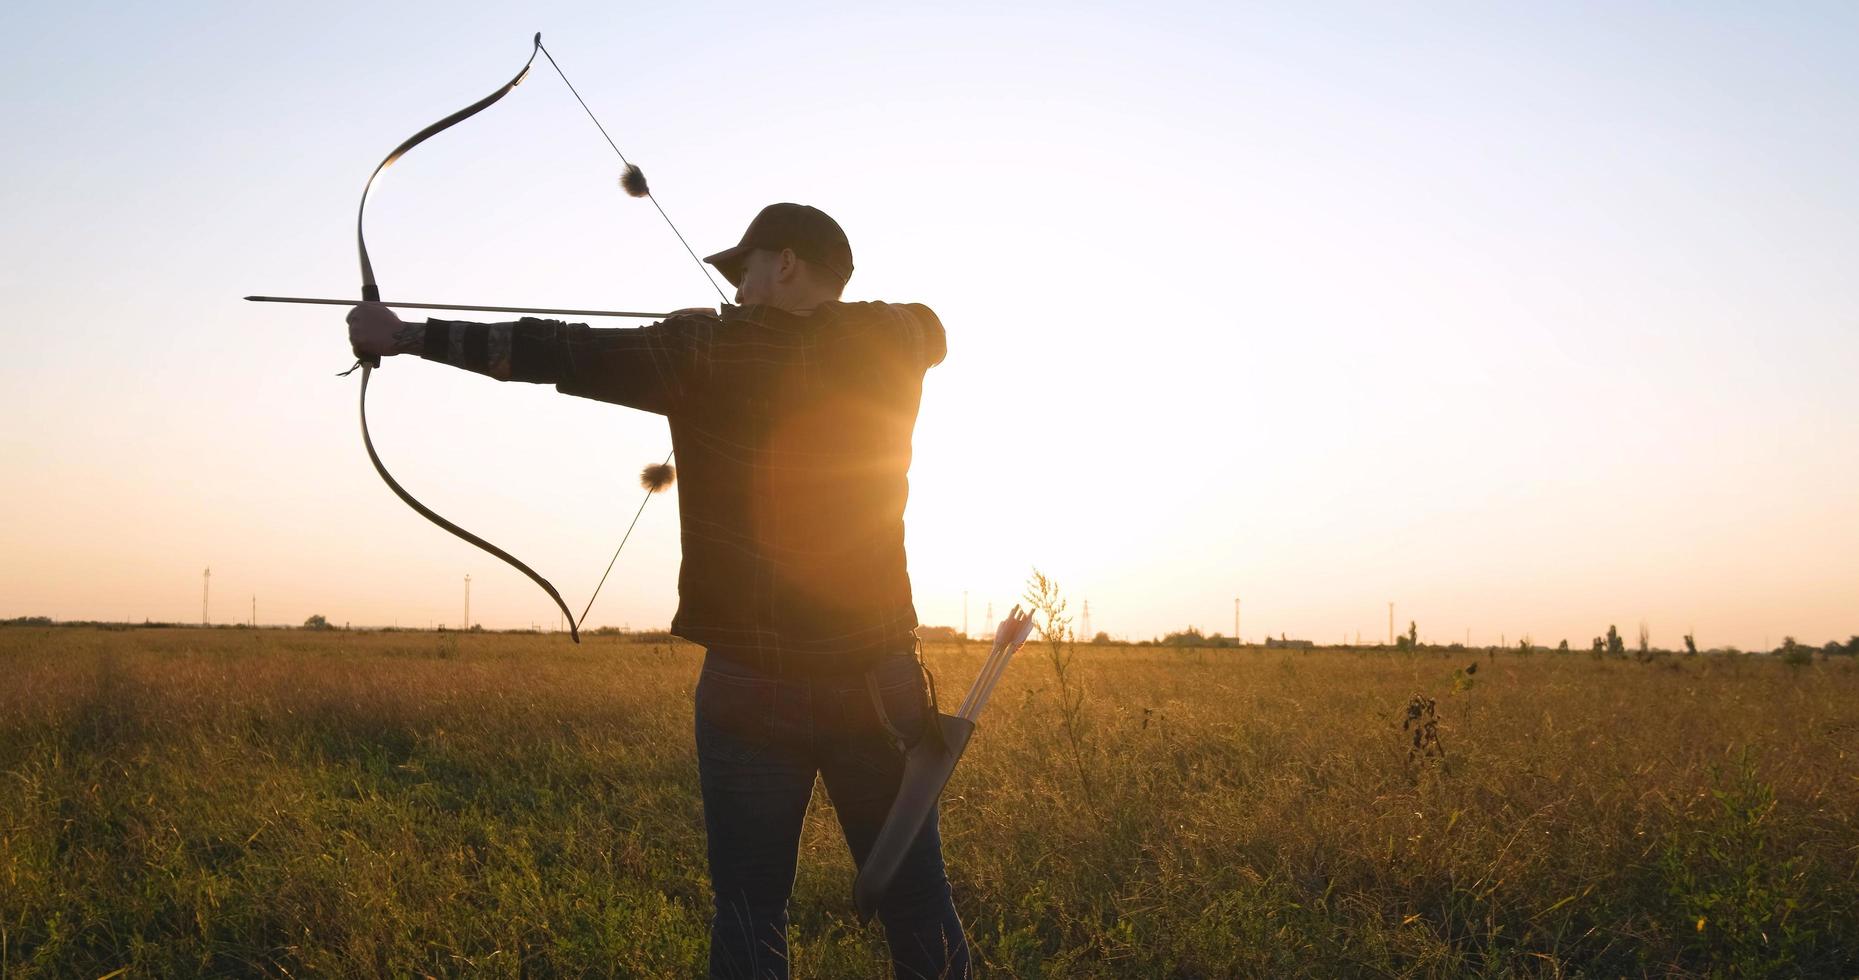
[372, 293]
[369, 291]
[431, 515]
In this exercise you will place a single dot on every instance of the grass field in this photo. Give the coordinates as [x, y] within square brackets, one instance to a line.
[287, 803]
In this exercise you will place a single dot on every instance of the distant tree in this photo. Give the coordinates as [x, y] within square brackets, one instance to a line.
[1795, 654]
[316, 622]
[1101, 638]
[1852, 647]
[1190, 637]
[1563, 648]
[1691, 645]
[1525, 647]
[1616, 647]
[1413, 635]
[1600, 647]
[1645, 642]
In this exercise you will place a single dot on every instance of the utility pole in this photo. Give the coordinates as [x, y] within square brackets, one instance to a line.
[1390, 624]
[1087, 619]
[254, 610]
[990, 614]
[206, 579]
[467, 623]
[1236, 639]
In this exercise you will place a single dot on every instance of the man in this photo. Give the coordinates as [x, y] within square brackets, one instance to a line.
[791, 416]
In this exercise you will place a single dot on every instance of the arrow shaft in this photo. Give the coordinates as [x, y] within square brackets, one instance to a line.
[313, 301]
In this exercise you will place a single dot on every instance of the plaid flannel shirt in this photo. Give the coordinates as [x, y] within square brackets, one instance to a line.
[792, 436]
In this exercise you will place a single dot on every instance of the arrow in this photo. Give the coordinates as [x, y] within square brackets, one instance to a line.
[459, 306]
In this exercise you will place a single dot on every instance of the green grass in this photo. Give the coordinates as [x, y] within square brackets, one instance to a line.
[223, 802]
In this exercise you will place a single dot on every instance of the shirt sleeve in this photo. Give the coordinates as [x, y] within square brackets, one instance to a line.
[923, 334]
[650, 368]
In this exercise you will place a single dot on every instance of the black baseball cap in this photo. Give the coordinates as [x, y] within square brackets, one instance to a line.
[807, 230]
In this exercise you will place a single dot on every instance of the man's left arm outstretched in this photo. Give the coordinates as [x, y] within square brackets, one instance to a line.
[640, 367]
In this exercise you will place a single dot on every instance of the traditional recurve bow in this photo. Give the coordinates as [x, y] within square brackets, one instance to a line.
[633, 180]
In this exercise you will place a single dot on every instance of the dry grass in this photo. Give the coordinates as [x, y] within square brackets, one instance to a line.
[291, 804]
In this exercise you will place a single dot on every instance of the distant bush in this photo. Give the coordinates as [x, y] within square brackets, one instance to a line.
[316, 622]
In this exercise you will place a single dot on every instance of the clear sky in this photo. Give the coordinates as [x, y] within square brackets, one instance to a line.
[1530, 318]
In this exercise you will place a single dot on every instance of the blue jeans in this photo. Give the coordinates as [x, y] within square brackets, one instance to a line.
[760, 742]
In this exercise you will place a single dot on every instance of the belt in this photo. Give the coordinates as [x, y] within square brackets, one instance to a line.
[807, 666]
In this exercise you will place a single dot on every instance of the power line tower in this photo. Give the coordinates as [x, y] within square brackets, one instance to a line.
[206, 579]
[467, 624]
[990, 614]
[1087, 619]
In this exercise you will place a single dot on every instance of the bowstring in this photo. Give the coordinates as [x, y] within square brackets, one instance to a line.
[653, 197]
[650, 195]
[616, 553]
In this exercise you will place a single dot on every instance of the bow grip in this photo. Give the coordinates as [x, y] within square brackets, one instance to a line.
[370, 293]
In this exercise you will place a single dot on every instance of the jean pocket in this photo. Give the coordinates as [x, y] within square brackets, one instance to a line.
[899, 699]
[734, 716]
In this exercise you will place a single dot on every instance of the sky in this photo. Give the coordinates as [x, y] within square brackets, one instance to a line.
[1527, 318]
